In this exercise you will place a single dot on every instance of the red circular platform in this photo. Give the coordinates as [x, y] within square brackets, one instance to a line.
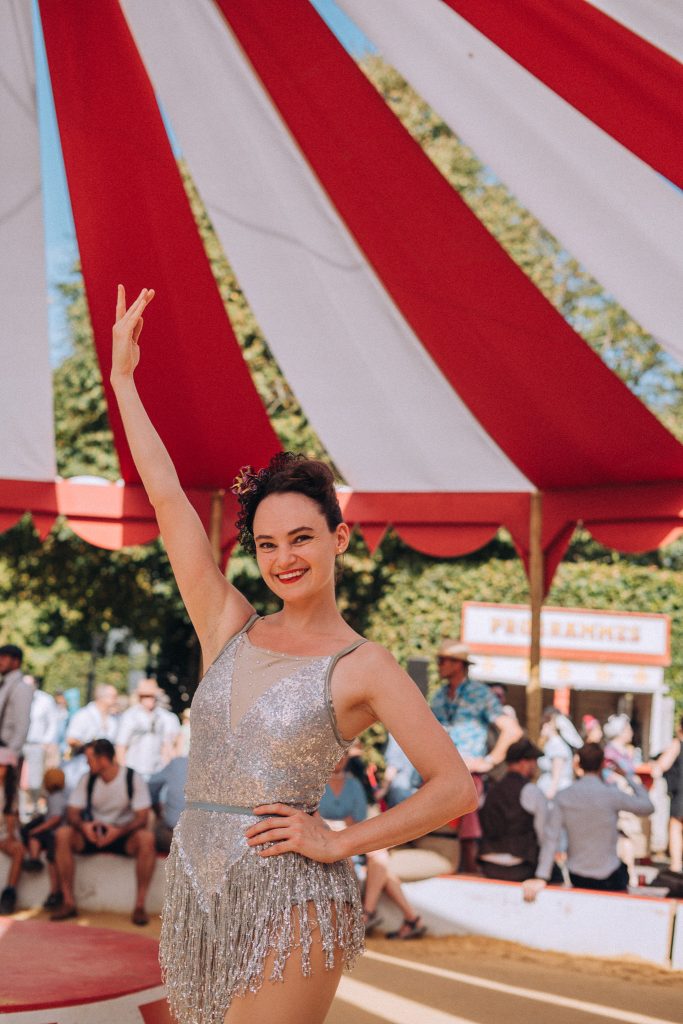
[49, 965]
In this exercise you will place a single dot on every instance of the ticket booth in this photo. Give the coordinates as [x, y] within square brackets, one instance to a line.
[593, 663]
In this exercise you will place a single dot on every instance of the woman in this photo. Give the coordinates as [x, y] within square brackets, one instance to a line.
[618, 733]
[257, 886]
[670, 764]
[559, 740]
[342, 804]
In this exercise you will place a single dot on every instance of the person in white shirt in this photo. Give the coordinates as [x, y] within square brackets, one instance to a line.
[589, 811]
[107, 812]
[97, 720]
[147, 732]
[40, 749]
[173, 726]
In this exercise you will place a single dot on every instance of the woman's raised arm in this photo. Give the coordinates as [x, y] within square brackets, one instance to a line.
[216, 608]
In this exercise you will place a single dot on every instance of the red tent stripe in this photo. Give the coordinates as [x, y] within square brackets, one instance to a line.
[532, 382]
[589, 59]
[134, 225]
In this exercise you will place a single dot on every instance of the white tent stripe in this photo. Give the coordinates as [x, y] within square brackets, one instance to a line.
[611, 211]
[658, 21]
[27, 451]
[396, 423]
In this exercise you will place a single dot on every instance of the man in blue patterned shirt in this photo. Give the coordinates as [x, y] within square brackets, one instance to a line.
[466, 708]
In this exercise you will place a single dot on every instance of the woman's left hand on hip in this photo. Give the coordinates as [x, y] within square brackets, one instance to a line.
[292, 831]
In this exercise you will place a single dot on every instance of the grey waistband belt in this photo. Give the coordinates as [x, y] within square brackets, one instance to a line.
[202, 805]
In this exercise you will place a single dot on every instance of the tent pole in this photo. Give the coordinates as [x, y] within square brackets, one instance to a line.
[215, 523]
[536, 570]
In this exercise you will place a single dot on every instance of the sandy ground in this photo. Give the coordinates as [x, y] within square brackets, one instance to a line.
[456, 980]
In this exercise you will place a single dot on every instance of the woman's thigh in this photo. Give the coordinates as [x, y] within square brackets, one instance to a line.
[294, 1000]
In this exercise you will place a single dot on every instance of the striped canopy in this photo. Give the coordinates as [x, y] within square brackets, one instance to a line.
[442, 382]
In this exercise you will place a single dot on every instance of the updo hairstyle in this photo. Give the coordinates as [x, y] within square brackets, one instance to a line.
[286, 473]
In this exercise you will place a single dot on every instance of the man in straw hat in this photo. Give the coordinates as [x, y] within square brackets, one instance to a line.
[466, 708]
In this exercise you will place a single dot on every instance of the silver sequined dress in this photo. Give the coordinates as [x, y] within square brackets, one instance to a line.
[227, 909]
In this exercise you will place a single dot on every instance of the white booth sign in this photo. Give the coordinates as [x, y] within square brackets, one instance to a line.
[579, 675]
[596, 662]
[568, 633]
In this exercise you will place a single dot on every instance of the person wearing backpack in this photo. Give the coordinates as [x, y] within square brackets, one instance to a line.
[107, 812]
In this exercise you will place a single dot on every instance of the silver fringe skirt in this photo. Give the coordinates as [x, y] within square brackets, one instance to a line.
[214, 944]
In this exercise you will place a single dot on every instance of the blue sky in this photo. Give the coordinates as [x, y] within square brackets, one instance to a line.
[60, 238]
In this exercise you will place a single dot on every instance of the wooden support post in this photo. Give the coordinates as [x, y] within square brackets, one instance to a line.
[215, 526]
[536, 585]
[216, 523]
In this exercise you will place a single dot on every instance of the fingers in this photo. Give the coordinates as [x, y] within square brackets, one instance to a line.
[137, 330]
[263, 826]
[143, 299]
[271, 836]
[275, 809]
[275, 851]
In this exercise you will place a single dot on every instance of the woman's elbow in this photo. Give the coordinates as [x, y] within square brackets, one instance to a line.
[465, 796]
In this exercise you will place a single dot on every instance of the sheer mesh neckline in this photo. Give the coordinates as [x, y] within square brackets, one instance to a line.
[258, 672]
[281, 654]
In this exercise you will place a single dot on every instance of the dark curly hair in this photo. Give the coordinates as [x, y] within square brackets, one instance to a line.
[286, 473]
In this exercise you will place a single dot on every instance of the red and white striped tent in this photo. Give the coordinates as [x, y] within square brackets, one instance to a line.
[444, 385]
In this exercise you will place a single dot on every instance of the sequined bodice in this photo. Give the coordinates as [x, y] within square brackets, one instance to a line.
[282, 749]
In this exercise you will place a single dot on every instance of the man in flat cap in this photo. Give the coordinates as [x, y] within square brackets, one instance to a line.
[513, 818]
[466, 708]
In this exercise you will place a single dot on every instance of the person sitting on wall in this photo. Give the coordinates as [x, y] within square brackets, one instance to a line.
[107, 812]
[167, 790]
[39, 833]
[343, 803]
[589, 811]
[513, 818]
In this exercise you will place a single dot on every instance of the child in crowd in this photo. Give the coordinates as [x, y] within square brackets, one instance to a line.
[39, 833]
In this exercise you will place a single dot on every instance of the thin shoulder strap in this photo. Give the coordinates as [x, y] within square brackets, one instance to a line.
[243, 629]
[328, 688]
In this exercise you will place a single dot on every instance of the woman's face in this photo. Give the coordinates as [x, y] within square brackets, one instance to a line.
[295, 549]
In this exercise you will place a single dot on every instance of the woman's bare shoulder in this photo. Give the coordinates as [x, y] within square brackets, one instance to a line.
[371, 660]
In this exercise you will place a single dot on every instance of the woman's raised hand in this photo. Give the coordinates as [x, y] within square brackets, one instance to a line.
[126, 332]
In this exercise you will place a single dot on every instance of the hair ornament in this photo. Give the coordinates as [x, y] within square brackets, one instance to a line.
[245, 480]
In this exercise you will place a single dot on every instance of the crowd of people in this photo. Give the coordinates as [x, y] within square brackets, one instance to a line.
[565, 811]
[107, 778]
[111, 779]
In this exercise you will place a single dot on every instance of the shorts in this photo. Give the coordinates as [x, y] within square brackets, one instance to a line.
[46, 839]
[118, 846]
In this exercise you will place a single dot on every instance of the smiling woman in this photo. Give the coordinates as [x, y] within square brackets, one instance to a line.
[257, 886]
